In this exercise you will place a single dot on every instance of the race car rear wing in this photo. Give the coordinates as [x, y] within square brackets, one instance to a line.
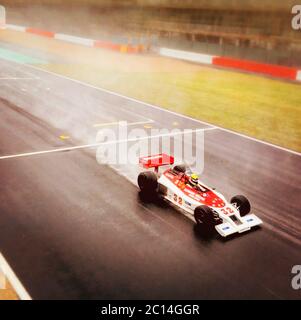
[156, 161]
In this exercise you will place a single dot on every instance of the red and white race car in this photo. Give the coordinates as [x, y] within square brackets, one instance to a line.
[208, 207]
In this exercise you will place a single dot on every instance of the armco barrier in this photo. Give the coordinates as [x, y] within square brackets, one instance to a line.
[242, 65]
[126, 48]
[15, 28]
[107, 45]
[186, 55]
[38, 32]
[73, 39]
[245, 65]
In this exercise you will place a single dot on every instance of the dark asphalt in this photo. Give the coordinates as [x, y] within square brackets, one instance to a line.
[72, 228]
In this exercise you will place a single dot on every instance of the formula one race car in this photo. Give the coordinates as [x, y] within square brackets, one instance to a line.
[208, 207]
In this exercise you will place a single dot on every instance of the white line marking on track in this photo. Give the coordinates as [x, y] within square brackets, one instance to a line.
[94, 145]
[12, 78]
[122, 122]
[211, 128]
[162, 109]
[13, 279]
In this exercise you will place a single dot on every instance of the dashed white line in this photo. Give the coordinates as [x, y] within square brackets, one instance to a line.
[16, 78]
[121, 122]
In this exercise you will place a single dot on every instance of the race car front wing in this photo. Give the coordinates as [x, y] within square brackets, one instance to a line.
[247, 222]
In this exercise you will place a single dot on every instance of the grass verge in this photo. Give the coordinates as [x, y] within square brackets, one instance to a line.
[260, 107]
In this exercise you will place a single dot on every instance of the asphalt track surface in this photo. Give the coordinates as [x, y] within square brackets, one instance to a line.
[72, 228]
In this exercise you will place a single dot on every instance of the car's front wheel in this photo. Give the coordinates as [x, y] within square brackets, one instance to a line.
[242, 204]
[203, 215]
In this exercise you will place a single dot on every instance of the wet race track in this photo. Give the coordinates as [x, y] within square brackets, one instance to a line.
[74, 228]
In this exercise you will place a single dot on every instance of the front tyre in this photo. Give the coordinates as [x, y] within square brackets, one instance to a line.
[204, 216]
[242, 204]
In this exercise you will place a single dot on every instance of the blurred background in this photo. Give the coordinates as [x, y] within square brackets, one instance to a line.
[258, 30]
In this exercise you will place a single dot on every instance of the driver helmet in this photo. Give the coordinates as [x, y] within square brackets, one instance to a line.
[194, 179]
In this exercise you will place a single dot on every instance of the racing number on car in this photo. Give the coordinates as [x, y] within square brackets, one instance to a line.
[177, 199]
[227, 210]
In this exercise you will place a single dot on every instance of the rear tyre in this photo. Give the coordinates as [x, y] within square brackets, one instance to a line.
[204, 216]
[180, 168]
[242, 204]
[148, 182]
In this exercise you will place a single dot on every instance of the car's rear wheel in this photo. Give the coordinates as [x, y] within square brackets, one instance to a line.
[148, 182]
[242, 204]
[181, 168]
[203, 215]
